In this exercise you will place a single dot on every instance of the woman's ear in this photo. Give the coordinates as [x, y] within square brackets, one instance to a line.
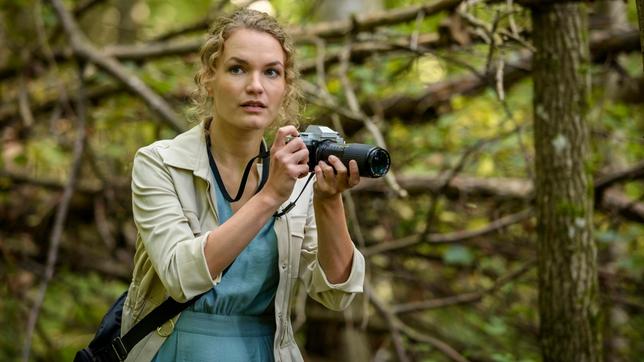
[208, 83]
[208, 86]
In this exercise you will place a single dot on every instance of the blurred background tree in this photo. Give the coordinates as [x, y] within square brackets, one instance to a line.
[450, 237]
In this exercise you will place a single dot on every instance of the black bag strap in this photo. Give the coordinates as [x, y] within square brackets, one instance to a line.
[161, 314]
[121, 346]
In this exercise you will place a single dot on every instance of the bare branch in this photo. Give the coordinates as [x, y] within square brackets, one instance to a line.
[84, 50]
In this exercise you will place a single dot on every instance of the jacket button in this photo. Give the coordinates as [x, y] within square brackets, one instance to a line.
[283, 265]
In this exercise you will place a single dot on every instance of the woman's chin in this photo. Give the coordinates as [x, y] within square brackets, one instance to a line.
[255, 121]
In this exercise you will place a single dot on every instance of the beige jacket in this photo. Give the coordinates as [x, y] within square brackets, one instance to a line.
[174, 212]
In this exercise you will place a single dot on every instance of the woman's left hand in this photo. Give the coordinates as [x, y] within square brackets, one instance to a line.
[330, 183]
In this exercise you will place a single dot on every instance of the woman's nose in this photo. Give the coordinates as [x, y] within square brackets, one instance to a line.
[254, 84]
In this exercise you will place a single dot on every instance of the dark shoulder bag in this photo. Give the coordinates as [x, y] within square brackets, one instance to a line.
[108, 345]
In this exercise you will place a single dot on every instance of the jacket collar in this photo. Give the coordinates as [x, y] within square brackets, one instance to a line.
[188, 151]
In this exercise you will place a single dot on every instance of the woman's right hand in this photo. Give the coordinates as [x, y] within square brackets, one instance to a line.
[289, 161]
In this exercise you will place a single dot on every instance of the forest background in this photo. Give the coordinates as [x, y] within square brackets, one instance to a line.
[450, 236]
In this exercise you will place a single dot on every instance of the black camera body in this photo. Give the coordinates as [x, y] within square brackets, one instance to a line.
[322, 142]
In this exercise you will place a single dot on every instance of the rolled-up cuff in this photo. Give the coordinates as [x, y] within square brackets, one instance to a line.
[353, 284]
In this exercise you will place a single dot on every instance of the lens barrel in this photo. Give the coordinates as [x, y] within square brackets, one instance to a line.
[372, 161]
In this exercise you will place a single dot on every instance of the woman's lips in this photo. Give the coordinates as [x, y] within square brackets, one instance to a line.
[253, 107]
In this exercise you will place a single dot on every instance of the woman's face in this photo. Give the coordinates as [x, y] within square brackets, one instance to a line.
[249, 83]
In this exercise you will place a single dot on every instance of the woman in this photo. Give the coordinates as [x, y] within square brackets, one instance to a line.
[194, 238]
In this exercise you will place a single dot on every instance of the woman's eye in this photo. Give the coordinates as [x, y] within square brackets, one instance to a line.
[235, 69]
[273, 73]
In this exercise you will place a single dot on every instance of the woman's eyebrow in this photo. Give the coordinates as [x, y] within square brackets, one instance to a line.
[242, 61]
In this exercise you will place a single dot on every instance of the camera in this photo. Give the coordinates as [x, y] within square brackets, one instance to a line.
[323, 142]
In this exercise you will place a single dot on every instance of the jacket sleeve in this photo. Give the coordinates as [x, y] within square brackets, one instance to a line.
[176, 254]
[333, 296]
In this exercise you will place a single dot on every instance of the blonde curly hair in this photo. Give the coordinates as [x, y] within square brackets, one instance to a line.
[214, 47]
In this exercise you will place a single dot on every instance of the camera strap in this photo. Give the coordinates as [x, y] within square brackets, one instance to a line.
[292, 203]
[264, 155]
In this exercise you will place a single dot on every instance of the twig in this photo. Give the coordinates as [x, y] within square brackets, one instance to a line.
[499, 79]
[61, 215]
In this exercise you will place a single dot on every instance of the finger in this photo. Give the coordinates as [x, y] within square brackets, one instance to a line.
[320, 182]
[354, 173]
[340, 169]
[300, 157]
[298, 171]
[295, 144]
[304, 171]
[280, 137]
[328, 173]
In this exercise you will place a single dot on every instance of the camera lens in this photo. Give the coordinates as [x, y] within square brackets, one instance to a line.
[378, 161]
[372, 161]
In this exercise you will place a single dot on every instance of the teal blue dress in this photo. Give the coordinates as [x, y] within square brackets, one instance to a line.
[235, 320]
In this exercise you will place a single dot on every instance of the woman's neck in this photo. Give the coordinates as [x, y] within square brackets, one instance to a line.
[233, 148]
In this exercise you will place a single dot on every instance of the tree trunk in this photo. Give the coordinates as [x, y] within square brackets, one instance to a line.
[568, 291]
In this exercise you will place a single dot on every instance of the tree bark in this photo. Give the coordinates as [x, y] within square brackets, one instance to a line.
[568, 289]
